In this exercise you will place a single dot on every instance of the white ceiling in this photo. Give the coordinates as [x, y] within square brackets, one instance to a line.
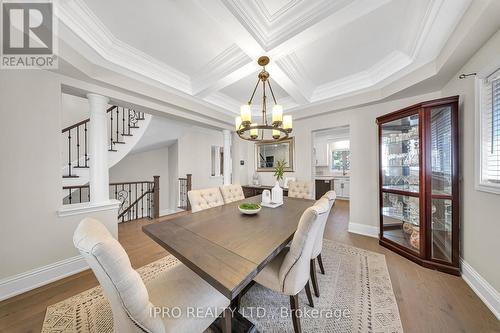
[320, 50]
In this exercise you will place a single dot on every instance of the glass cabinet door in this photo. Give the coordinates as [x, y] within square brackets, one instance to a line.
[400, 174]
[400, 157]
[401, 220]
[441, 183]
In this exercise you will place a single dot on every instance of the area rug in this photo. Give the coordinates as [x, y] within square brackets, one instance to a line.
[355, 296]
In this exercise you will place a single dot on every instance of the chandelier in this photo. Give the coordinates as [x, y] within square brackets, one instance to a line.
[280, 127]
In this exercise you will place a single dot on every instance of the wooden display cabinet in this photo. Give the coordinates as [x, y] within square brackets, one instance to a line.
[419, 190]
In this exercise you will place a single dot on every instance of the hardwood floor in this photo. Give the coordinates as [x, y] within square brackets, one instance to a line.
[429, 301]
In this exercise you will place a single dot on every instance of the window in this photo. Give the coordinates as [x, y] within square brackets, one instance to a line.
[489, 134]
[217, 161]
[340, 156]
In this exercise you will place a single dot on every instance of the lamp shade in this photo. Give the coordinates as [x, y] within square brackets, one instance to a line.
[277, 113]
[246, 113]
[254, 132]
[287, 122]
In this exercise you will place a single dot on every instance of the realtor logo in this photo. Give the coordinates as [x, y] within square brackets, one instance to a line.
[28, 35]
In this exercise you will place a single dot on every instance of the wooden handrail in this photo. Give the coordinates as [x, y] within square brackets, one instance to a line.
[110, 184]
[85, 120]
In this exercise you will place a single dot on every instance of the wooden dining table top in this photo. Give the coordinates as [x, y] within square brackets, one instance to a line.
[225, 247]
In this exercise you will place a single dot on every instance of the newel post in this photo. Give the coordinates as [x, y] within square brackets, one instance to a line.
[189, 185]
[156, 197]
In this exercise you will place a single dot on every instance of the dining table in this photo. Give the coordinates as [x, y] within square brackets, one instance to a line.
[227, 248]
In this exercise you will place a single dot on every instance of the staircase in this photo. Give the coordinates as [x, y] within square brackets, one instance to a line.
[125, 128]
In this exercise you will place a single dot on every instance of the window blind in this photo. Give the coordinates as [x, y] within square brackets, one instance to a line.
[490, 128]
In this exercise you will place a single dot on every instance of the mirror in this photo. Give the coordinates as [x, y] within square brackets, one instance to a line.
[267, 154]
[217, 161]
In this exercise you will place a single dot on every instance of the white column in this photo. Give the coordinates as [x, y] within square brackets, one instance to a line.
[227, 156]
[98, 149]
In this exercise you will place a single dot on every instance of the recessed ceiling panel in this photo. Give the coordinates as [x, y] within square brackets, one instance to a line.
[177, 33]
[364, 42]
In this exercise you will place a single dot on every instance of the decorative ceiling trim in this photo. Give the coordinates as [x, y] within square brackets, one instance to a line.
[298, 16]
[389, 65]
[227, 62]
[270, 17]
[292, 67]
[78, 17]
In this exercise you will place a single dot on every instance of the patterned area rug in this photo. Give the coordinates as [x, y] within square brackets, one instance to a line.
[356, 296]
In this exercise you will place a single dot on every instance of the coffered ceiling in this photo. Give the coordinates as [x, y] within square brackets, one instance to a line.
[320, 50]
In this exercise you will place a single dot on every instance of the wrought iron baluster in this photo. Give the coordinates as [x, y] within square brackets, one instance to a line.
[123, 121]
[85, 141]
[69, 153]
[78, 146]
[111, 130]
[117, 123]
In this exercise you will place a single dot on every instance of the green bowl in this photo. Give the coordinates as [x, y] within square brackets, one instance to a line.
[249, 208]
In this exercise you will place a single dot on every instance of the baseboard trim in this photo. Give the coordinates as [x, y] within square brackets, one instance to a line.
[481, 287]
[21, 283]
[170, 211]
[363, 229]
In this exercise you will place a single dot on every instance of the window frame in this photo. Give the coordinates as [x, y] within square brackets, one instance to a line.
[480, 184]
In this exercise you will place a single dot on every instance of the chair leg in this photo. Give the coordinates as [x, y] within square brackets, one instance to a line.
[314, 279]
[226, 321]
[309, 295]
[320, 262]
[294, 306]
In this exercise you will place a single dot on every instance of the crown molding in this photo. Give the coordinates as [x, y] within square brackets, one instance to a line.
[294, 69]
[389, 65]
[293, 18]
[78, 17]
[227, 62]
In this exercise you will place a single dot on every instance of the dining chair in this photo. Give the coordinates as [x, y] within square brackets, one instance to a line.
[318, 244]
[288, 272]
[300, 189]
[231, 193]
[204, 199]
[134, 303]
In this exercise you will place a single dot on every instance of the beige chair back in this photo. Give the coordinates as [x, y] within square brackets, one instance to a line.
[121, 284]
[205, 199]
[231, 193]
[294, 271]
[318, 244]
[300, 189]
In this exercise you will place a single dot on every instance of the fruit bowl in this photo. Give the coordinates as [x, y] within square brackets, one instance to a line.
[249, 208]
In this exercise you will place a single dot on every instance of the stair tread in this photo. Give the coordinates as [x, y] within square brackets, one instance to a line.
[120, 142]
[81, 167]
[126, 134]
[72, 176]
[112, 150]
[134, 127]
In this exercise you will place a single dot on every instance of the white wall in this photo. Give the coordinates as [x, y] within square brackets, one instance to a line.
[75, 109]
[32, 235]
[194, 148]
[480, 211]
[143, 166]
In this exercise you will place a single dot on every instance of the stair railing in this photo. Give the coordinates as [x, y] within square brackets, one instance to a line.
[121, 120]
[185, 185]
[138, 199]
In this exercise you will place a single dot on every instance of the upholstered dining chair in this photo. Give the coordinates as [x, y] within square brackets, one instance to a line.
[133, 303]
[288, 272]
[300, 189]
[318, 244]
[231, 193]
[204, 199]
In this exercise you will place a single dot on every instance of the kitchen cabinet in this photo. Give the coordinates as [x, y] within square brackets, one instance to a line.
[321, 152]
[342, 187]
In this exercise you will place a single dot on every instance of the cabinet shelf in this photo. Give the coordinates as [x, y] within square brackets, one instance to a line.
[419, 200]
